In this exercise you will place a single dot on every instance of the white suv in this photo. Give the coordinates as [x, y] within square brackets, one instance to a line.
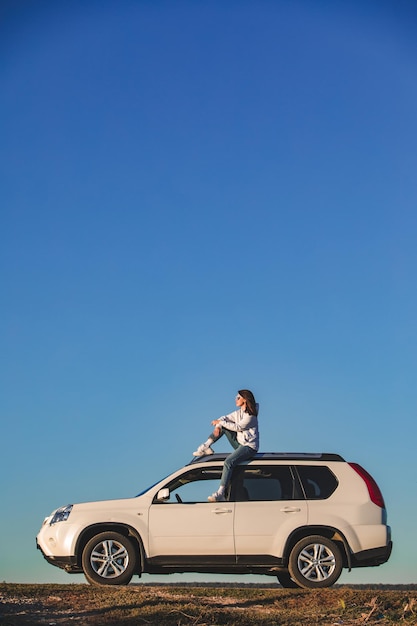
[299, 517]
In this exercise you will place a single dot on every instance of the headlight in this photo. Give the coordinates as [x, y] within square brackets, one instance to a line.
[61, 514]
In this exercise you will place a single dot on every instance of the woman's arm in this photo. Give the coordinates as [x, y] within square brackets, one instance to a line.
[237, 421]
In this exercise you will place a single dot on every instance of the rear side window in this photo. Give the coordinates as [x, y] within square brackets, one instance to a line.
[265, 483]
[318, 481]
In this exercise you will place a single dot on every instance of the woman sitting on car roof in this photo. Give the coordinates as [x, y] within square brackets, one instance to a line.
[241, 429]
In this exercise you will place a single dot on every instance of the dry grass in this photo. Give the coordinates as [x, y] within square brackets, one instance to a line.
[176, 605]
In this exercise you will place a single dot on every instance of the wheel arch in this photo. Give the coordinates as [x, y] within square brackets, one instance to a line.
[123, 529]
[325, 531]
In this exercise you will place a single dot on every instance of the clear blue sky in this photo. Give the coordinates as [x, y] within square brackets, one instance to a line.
[196, 197]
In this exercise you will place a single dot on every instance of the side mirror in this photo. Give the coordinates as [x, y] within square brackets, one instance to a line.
[163, 494]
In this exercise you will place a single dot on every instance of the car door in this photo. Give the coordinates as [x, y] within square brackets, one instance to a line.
[185, 527]
[269, 505]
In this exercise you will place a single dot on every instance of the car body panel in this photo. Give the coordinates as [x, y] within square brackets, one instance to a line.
[263, 527]
[191, 529]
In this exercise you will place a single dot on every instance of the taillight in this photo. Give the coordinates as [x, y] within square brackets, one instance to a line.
[373, 489]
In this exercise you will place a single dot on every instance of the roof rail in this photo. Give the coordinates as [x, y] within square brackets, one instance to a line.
[273, 456]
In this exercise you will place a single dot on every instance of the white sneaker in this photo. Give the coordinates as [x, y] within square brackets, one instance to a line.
[216, 497]
[203, 450]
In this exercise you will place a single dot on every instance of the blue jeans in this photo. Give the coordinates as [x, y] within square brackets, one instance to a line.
[240, 454]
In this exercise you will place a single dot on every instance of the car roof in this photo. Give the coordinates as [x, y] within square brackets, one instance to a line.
[274, 456]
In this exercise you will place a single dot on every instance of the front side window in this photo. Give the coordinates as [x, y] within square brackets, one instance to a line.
[318, 481]
[265, 483]
[194, 486]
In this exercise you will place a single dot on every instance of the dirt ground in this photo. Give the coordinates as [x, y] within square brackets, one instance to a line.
[180, 605]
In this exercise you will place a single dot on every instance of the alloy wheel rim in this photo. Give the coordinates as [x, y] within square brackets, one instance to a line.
[109, 559]
[316, 562]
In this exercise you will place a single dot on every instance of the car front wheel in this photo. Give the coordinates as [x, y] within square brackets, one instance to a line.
[109, 558]
[286, 581]
[315, 562]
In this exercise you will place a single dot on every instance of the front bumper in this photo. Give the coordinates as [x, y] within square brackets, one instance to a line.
[67, 563]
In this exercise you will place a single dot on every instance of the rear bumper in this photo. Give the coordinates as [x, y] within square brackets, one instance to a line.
[375, 556]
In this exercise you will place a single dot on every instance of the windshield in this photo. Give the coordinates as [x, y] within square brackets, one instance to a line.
[148, 488]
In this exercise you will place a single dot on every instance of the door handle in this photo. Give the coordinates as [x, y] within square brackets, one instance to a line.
[221, 511]
[290, 509]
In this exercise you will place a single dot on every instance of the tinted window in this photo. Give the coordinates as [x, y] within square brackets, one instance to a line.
[266, 483]
[193, 486]
[318, 481]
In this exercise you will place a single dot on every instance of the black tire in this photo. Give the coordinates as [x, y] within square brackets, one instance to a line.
[315, 562]
[286, 581]
[109, 558]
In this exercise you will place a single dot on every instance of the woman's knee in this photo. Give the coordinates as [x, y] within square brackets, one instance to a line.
[231, 461]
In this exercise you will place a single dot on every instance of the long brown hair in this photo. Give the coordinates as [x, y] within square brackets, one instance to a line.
[251, 407]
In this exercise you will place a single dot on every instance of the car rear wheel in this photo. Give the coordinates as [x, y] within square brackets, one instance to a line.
[315, 562]
[109, 558]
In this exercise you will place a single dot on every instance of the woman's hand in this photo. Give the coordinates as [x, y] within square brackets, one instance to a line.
[217, 429]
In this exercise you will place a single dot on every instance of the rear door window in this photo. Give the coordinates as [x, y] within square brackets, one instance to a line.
[265, 483]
